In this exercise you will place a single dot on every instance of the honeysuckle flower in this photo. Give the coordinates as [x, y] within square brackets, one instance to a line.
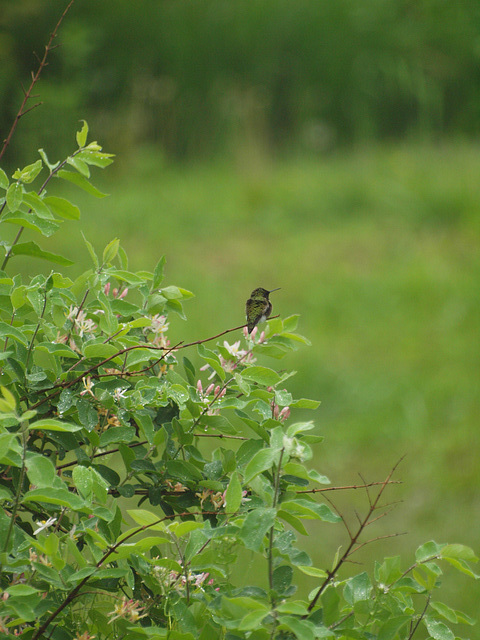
[206, 367]
[128, 609]
[88, 384]
[234, 349]
[284, 414]
[158, 324]
[84, 324]
[44, 524]
[119, 393]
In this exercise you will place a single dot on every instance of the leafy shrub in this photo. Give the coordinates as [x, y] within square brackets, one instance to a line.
[120, 519]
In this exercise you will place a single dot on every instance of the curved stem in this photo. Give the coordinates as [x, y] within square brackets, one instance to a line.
[19, 489]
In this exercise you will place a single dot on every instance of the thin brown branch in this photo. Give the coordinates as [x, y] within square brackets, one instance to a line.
[422, 615]
[35, 76]
[103, 453]
[353, 539]
[350, 486]
[219, 335]
[384, 537]
[66, 385]
[218, 435]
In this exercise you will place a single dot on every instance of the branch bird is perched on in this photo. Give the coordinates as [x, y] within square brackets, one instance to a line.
[258, 307]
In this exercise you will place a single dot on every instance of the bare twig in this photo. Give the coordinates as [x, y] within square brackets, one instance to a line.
[35, 76]
[422, 615]
[350, 486]
[352, 546]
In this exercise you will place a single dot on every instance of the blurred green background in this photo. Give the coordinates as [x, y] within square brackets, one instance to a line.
[327, 147]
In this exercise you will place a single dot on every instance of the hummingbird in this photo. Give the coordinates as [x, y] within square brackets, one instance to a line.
[258, 307]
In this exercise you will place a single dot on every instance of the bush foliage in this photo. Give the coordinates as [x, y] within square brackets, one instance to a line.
[132, 482]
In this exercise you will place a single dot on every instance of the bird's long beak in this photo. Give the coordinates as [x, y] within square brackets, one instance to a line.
[272, 290]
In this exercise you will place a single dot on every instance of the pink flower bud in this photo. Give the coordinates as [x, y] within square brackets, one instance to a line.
[245, 332]
[123, 294]
[209, 389]
[284, 413]
[261, 338]
[199, 386]
[254, 333]
[106, 289]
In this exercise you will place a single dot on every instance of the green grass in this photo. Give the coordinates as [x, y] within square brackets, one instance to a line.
[379, 253]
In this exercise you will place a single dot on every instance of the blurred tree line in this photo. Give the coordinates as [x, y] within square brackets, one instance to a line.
[198, 77]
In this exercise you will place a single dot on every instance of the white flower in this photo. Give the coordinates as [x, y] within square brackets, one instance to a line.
[158, 324]
[234, 349]
[118, 394]
[44, 524]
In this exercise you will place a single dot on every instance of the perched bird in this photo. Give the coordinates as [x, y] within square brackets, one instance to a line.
[258, 307]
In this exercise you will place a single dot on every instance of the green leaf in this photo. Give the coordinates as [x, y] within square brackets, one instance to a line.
[293, 521]
[60, 350]
[38, 205]
[305, 403]
[9, 398]
[95, 158]
[459, 552]
[125, 276]
[4, 182]
[183, 528]
[219, 423]
[312, 571]
[99, 350]
[303, 629]
[21, 590]
[49, 424]
[111, 250]
[32, 249]
[62, 207]
[7, 331]
[32, 221]
[255, 527]
[113, 435]
[14, 196]
[146, 518]
[428, 550]
[158, 273]
[83, 480]
[146, 424]
[297, 608]
[233, 496]
[52, 495]
[462, 566]
[260, 462]
[261, 375]
[252, 620]
[358, 588]
[79, 165]
[80, 181]
[81, 135]
[304, 508]
[29, 173]
[438, 630]
[299, 427]
[40, 470]
[91, 251]
[282, 578]
[445, 611]
[44, 157]
[389, 629]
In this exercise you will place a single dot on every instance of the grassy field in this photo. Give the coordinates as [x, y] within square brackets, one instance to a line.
[379, 251]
